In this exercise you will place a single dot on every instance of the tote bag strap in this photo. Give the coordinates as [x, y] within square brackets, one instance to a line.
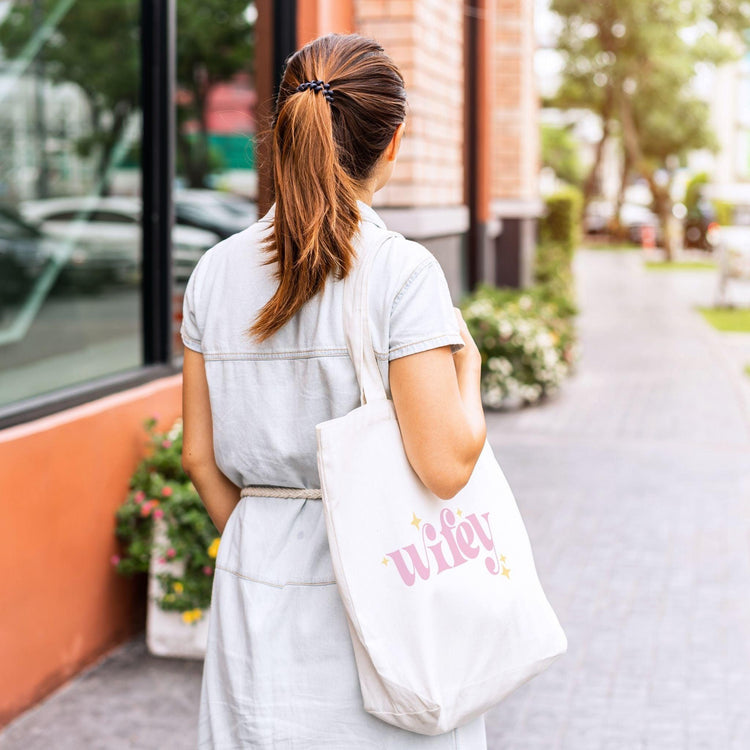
[357, 325]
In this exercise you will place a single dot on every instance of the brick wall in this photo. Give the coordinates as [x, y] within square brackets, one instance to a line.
[516, 143]
[425, 39]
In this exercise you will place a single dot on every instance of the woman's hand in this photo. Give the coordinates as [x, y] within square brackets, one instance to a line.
[217, 493]
[468, 358]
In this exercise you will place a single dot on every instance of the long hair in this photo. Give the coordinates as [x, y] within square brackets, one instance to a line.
[322, 149]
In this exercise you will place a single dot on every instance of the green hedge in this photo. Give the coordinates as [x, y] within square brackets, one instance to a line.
[561, 223]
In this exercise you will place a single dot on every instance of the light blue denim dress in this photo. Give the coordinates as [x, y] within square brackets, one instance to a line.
[279, 669]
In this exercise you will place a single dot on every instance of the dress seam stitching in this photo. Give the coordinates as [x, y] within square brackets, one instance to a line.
[425, 263]
[274, 585]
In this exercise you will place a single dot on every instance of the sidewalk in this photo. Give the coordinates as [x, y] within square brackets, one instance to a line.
[635, 488]
[634, 483]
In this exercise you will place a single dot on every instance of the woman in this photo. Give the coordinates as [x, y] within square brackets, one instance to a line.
[266, 360]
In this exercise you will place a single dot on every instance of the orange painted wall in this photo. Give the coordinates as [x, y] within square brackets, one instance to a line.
[61, 479]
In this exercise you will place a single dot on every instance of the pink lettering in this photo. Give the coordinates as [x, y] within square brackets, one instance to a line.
[418, 565]
[448, 521]
[428, 531]
[485, 537]
[465, 539]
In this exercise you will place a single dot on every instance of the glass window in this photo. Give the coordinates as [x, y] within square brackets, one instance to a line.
[70, 299]
[216, 186]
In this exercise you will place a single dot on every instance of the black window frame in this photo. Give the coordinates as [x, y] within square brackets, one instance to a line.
[157, 81]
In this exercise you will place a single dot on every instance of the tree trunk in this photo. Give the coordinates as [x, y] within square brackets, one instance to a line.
[591, 180]
[662, 200]
[589, 187]
[626, 167]
[663, 209]
[104, 167]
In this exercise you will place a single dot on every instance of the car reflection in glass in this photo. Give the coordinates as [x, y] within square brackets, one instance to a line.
[106, 235]
[25, 252]
[222, 213]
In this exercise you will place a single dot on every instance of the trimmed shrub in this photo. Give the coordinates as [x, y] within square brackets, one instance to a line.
[561, 223]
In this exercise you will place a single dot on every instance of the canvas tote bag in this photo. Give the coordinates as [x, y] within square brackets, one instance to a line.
[444, 606]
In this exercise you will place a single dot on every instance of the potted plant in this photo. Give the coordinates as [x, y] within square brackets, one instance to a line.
[166, 532]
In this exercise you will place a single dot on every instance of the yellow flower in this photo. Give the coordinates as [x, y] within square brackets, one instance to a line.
[213, 550]
[191, 615]
[178, 587]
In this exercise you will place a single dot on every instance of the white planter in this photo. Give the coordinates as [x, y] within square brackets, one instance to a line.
[167, 634]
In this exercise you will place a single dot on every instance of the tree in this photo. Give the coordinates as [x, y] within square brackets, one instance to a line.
[95, 46]
[632, 61]
[215, 41]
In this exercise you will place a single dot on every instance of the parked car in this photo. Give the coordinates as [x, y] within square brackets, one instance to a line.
[106, 235]
[634, 217]
[24, 254]
[598, 217]
[221, 213]
[23, 242]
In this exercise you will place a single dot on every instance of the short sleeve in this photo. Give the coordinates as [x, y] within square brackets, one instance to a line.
[189, 330]
[422, 315]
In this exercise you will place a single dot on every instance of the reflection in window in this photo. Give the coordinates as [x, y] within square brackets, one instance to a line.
[215, 106]
[70, 127]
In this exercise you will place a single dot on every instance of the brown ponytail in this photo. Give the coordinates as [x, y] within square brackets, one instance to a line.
[321, 152]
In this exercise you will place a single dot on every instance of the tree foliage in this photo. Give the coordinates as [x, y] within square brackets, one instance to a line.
[95, 45]
[632, 62]
[215, 41]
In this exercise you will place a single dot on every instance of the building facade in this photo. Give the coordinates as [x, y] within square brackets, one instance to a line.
[83, 364]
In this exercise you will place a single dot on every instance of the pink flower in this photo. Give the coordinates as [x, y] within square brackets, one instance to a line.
[166, 443]
[139, 496]
[166, 491]
[114, 559]
[158, 513]
[207, 569]
[171, 552]
[146, 509]
[162, 560]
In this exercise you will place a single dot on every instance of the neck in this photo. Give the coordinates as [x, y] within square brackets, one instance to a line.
[365, 193]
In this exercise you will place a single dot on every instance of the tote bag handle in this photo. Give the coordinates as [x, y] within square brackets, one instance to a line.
[357, 326]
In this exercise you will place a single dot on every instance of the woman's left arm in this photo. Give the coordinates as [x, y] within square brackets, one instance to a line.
[218, 494]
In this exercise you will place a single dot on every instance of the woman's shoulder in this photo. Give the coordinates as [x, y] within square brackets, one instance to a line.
[399, 260]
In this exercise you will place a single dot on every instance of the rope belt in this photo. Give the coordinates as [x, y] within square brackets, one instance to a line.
[314, 493]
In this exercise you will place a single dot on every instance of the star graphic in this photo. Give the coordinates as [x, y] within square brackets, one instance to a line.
[506, 572]
[502, 558]
[415, 520]
[385, 561]
[459, 512]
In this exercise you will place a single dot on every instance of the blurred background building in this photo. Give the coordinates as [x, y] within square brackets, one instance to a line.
[129, 148]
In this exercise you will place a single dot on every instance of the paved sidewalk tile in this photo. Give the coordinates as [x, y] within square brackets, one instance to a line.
[129, 701]
[634, 482]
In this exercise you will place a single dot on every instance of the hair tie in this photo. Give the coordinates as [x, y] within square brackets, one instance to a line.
[317, 87]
